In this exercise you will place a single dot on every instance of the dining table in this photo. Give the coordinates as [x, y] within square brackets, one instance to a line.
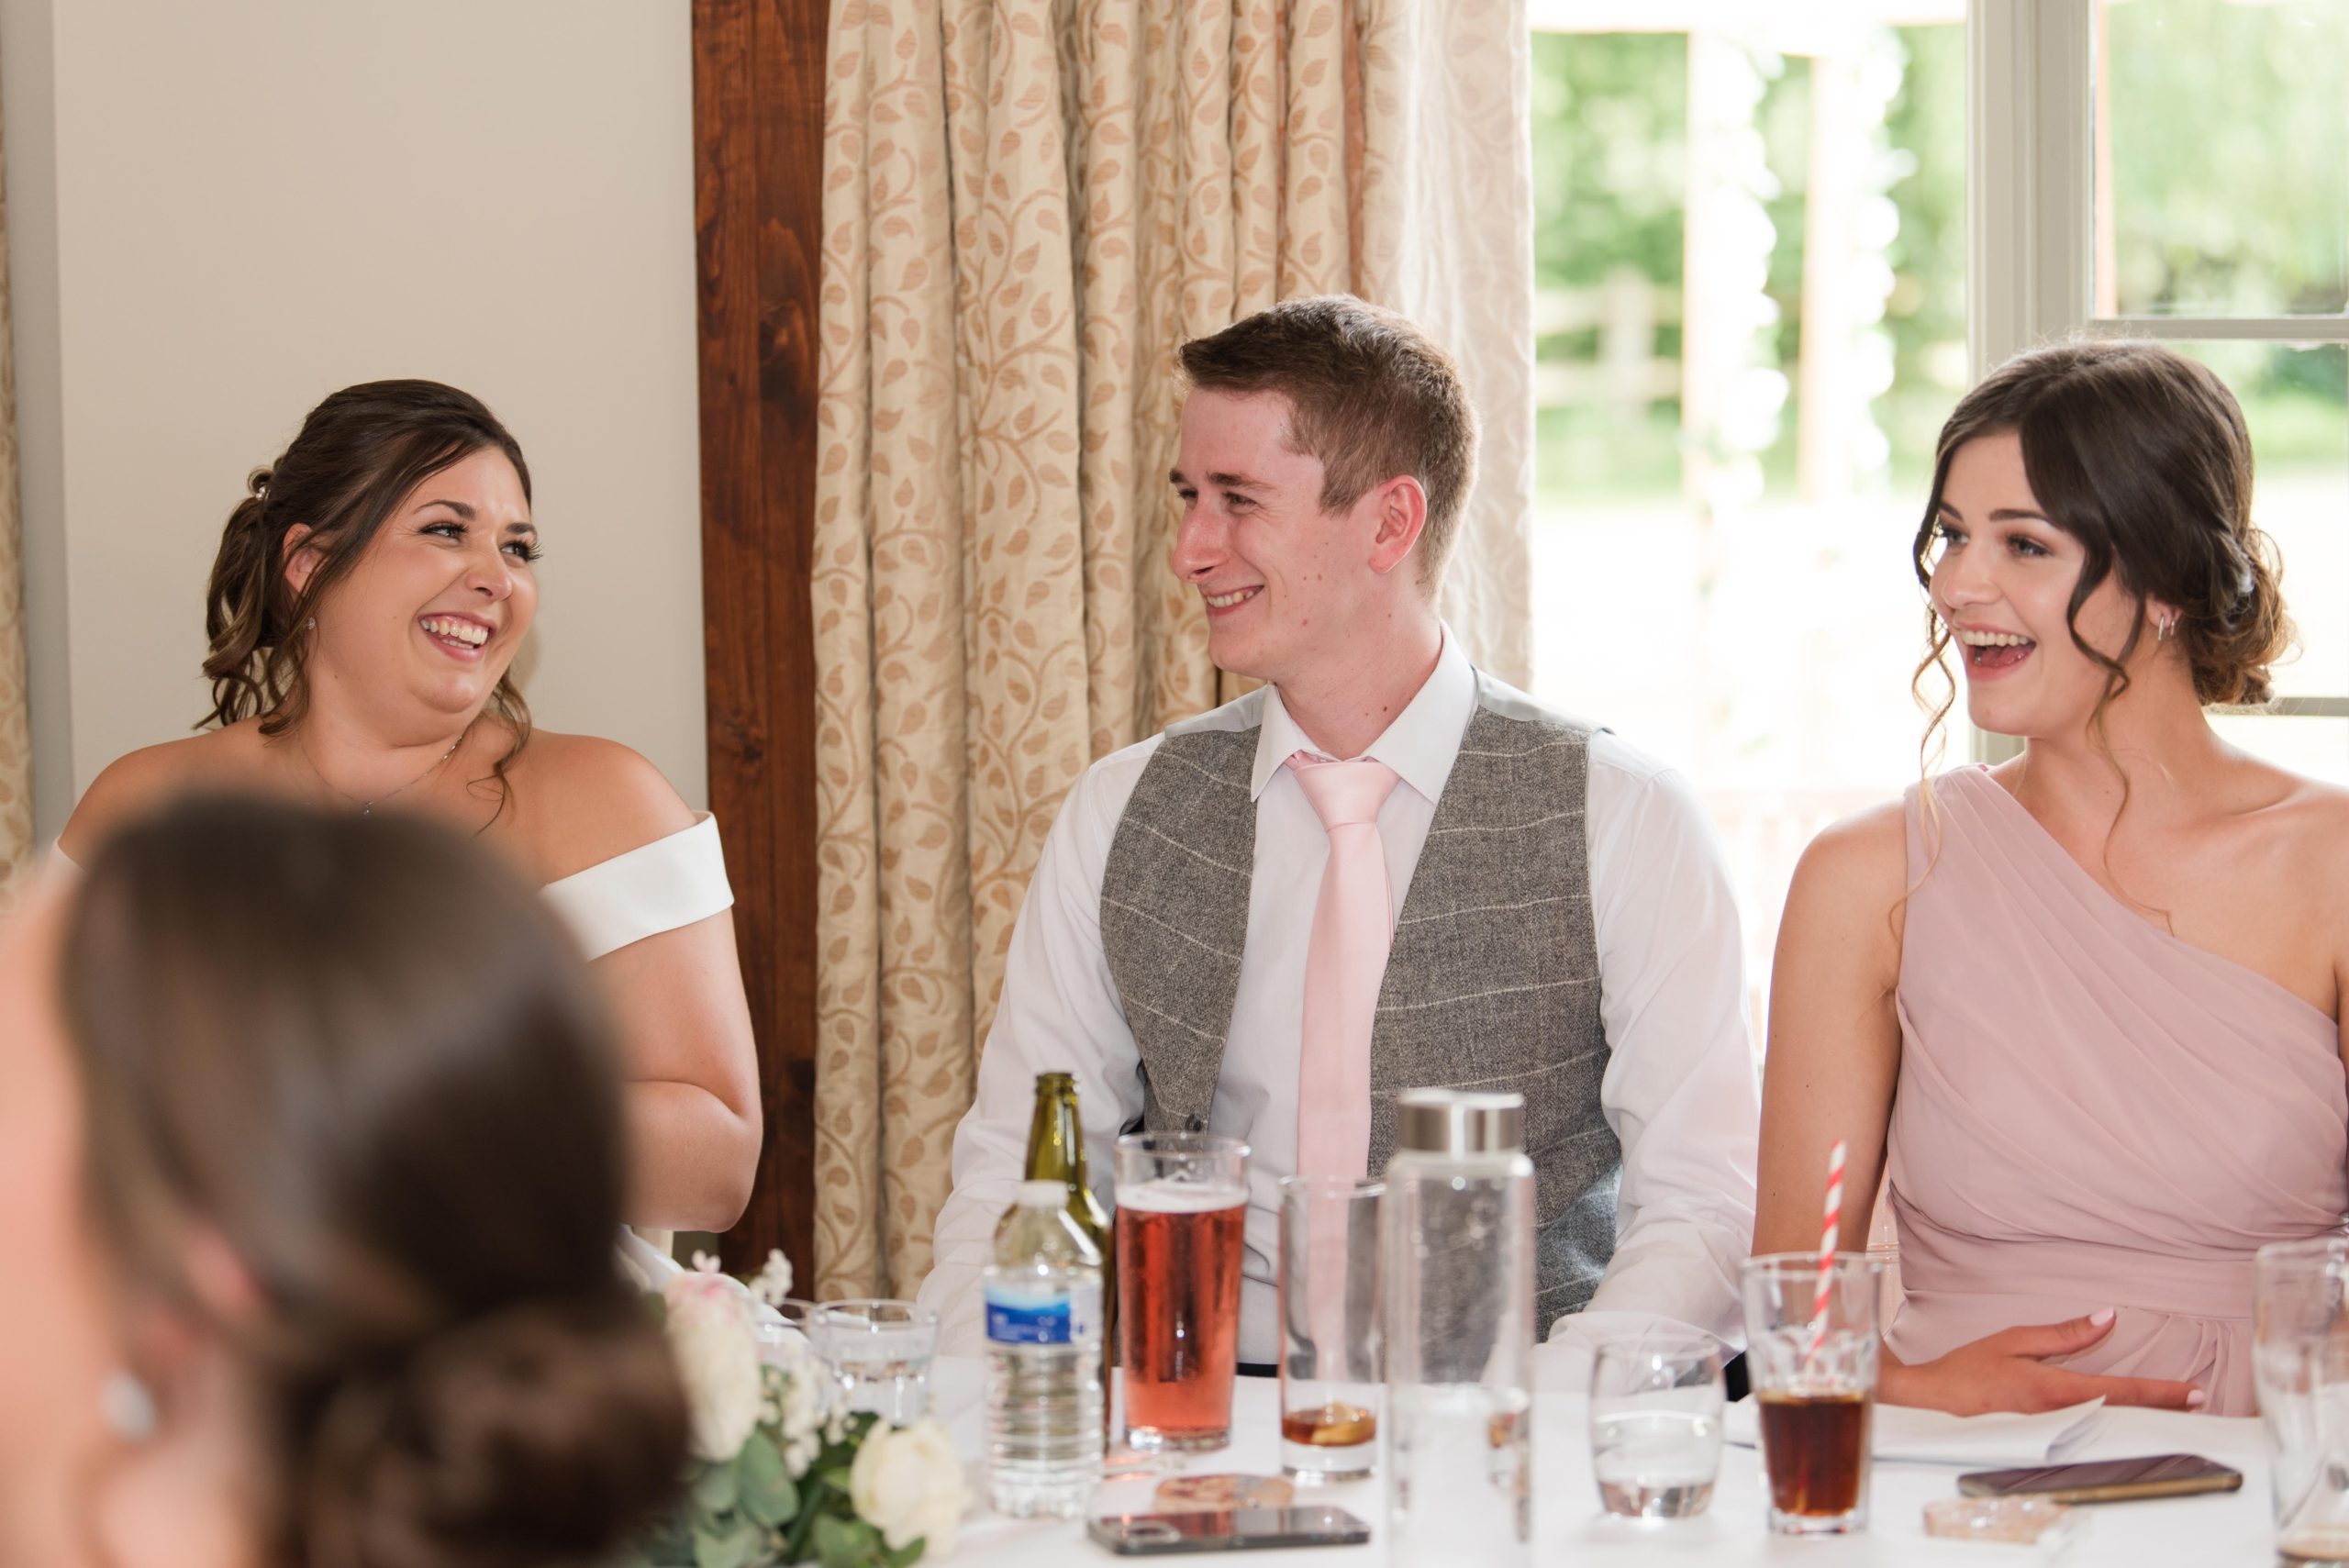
[1570, 1528]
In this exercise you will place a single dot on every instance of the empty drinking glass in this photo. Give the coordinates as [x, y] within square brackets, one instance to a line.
[2299, 1359]
[1656, 1424]
[879, 1354]
[1332, 1367]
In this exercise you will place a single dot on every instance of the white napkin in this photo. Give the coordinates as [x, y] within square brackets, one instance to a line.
[1936, 1437]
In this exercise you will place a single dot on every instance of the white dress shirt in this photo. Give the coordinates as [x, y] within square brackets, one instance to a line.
[1679, 1090]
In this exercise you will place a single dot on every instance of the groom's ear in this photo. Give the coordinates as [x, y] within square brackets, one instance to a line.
[1400, 506]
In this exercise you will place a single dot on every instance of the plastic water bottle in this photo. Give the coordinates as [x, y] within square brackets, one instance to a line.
[1044, 1296]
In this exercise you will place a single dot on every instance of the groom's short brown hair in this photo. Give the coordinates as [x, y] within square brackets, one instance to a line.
[1369, 395]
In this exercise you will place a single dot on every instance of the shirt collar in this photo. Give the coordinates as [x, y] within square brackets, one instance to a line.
[1421, 743]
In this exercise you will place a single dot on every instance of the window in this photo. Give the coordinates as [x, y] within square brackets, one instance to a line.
[1771, 253]
[1751, 262]
[2145, 169]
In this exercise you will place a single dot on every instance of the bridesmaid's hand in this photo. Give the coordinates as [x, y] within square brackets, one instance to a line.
[2007, 1370]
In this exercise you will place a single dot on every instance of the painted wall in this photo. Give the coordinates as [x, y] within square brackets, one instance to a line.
[219, 213]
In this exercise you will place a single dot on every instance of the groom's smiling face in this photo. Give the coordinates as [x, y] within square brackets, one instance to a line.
[1281, 579]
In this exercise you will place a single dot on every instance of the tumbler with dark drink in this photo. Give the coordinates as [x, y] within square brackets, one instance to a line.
[1182, 1201]
[1814, 1376]
[1815, 1448]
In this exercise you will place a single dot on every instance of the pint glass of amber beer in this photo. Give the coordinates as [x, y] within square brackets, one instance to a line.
[1813, 1372]
[1182, 1198]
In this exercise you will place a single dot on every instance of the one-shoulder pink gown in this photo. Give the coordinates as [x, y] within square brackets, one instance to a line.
[2091, 1112]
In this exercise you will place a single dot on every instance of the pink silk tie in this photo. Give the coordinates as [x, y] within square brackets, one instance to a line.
[1354, 925]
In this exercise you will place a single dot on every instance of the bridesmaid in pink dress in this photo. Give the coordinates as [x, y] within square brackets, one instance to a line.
[2086, 1004]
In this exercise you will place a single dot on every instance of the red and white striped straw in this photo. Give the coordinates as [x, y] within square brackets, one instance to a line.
[1827, 1237]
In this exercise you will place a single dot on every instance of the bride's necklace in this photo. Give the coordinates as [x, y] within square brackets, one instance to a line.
[367, 807]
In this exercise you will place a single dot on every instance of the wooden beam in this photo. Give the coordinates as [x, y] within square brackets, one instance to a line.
[758, 214]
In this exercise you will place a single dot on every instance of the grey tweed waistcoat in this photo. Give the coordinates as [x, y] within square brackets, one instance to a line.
[1492, 982]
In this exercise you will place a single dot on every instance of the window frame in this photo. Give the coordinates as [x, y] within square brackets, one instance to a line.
[2031, 225]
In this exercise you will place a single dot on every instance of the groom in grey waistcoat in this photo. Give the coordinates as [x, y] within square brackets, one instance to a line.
[1515, 901]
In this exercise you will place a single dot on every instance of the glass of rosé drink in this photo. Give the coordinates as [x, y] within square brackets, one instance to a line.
[1182, 1199]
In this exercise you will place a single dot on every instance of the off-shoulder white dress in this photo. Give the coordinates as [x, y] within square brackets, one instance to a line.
[639, 892]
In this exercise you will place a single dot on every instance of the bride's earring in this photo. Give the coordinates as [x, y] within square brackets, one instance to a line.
[127, 1407]
[2162, 628]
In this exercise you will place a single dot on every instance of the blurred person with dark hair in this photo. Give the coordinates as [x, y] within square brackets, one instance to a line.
[1382, 869]
[371, 592]
[2085, 1006]
[311, 1151]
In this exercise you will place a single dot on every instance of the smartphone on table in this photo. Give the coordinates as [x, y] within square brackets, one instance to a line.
[1227, 1529]
[2106, 1480]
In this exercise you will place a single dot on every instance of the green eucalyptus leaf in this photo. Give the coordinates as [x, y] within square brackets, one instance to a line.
[846, 1543]
[714, 1491]
[763, 1482]
[908, 1554]
[737, 1546]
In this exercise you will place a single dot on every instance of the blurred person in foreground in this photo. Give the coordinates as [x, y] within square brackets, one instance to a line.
[311, 1151]
[1552, 917]
[2086, 1003]
[371, 592]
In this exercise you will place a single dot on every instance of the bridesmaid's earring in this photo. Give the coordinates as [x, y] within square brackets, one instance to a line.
[2160, 629]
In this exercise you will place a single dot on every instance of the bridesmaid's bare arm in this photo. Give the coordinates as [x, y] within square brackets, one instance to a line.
[1835, 1043]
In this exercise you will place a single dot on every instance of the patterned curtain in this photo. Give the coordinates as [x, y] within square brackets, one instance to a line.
[1028, 204]
[16, 733]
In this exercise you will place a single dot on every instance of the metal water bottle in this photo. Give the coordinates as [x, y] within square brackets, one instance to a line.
[1458, 1242]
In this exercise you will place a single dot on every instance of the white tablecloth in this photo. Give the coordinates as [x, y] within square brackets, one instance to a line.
[2227, 1528]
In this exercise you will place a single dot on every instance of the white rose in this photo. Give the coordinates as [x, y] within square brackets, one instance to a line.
[718, 1359]
[909, 1483]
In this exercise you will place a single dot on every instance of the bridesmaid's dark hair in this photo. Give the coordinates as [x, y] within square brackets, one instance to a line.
[361, 1057]
[358, 456]
[2141, 454]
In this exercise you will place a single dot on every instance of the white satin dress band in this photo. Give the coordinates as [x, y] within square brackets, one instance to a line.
[640, 893]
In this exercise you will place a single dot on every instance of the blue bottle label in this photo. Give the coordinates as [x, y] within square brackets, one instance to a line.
[1044, 1317]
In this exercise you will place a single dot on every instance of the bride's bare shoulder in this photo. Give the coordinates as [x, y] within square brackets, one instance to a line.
[581, 799]
[139, 781]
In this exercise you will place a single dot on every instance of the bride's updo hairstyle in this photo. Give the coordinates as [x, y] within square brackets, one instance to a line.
[2140, 454]
[358, 456]
[356, 1058]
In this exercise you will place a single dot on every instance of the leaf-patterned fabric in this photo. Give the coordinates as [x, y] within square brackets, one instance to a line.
[16, 730]
[1029, 205]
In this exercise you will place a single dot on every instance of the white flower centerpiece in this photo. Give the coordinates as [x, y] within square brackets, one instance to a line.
[774, 1479]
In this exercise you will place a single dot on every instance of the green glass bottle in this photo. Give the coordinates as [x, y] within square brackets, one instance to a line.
[1056, 1152]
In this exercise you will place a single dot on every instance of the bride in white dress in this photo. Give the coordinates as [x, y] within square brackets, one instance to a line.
[370, 591]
